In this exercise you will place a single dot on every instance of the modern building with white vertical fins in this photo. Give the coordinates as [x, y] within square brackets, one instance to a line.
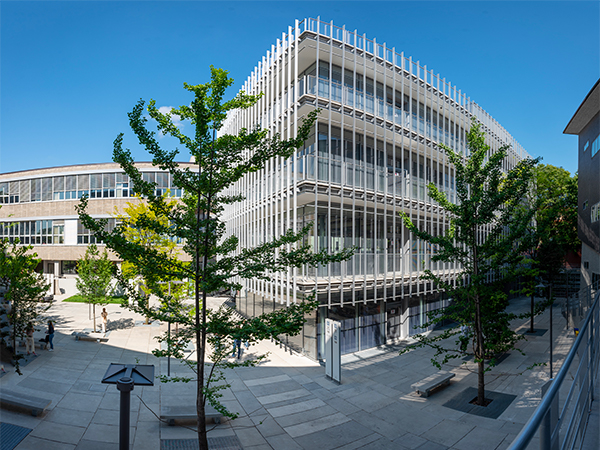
[373, 151]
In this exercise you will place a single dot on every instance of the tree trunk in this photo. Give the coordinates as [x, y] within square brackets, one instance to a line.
[200, 339]
[480, 348]
[94, 315]
[201, 331]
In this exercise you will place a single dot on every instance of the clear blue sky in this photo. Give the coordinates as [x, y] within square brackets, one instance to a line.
[70, 71]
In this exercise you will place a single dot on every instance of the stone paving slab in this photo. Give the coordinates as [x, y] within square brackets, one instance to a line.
[285, 403]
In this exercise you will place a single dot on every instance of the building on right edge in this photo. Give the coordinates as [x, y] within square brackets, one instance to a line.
[586, 124]
[372, 153]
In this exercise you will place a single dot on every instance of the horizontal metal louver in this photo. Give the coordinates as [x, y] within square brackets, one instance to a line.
[36, 189]
[96, 181]
[59, 184]
[108, 180]
[25, 190]
[46, 189]
[83, 182]
[162, 180]
[122, 177]
[149, 176]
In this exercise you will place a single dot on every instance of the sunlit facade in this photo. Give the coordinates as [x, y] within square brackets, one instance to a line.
[371, 155]
[38, 209]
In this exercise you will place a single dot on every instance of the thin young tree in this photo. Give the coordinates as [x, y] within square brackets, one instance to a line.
[95, 273]
[485, 237]
[217, 260]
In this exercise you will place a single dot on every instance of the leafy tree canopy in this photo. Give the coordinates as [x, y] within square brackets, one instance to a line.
[215, 260]
[485, 238]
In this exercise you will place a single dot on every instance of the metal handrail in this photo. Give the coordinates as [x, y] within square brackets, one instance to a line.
[544, 408]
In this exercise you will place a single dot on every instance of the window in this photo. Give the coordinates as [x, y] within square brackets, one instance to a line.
[79, 185]
[36, 190]
[595, 213]
[108, 185]
[585, 147]
[4, 192]
[85, 236]
[585, 205]
[96, 185]
[162, 183]
[42, 233]
[122, 181]
[595, 146]
[68, 267]
[34, 232]
[46, 189]
[58, 233]
[59, 188]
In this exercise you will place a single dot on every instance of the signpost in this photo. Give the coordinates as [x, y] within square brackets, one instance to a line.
[125, 376]
[333, 361]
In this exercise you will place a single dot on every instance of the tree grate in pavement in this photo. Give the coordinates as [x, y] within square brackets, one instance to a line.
[500, 402]
[215, 443]
[11, 435]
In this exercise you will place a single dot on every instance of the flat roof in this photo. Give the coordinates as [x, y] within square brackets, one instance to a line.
[586, 111]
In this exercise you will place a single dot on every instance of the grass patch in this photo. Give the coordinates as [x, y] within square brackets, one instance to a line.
[117, 299]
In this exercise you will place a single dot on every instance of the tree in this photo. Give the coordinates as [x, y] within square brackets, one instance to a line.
[216, 259]
[95, 274]
[556, 217]
[23, 289]
[486, 237]
[131, 220]
[145, 237]
[554, 230]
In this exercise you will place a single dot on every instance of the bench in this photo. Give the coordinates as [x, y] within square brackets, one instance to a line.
[170, 414]
[426, 385]
[24, 402]
[89, 335]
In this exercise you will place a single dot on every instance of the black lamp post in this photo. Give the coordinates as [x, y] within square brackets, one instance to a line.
[125, 376]
[542, 286]
[169, 328]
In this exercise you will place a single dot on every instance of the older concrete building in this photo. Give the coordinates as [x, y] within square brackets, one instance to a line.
[38, 208]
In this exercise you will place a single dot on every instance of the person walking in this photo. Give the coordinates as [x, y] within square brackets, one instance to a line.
[50, 333]
[29, 343]
[237, 345]
[104, 315]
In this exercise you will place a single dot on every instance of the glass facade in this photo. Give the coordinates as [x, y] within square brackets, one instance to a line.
[34, 232]
[73, 187]
[377, 146]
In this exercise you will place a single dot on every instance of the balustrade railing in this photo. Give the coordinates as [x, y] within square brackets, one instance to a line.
[562, 416]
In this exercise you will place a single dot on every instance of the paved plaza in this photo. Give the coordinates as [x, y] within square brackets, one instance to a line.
[285, 403]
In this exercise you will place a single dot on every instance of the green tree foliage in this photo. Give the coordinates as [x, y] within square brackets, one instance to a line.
[132, 219]
[216, 259]
[486, 239]
[556, 217]
[553, 233]
[23, 288]
[95, 274]
[132, 214]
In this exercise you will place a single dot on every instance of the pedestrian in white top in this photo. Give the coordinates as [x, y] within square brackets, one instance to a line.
[104, 315]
